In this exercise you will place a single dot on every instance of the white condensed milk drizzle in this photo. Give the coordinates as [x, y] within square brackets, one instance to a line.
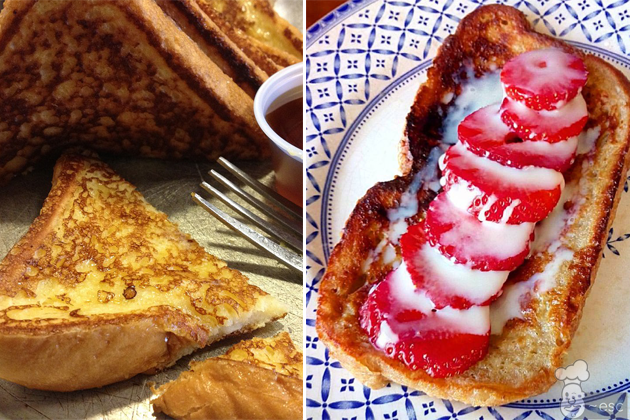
[548, 232]
[448, 250]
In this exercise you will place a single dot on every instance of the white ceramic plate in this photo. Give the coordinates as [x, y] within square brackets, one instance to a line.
[364, 64]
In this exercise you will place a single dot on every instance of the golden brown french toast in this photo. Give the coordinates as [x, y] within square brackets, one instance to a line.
[255, 379]
[277, 353]
[115, 76]
[258, 30]
[191, 19]
[249, 48]
[523, 357]
[258, 19]
[103, 287]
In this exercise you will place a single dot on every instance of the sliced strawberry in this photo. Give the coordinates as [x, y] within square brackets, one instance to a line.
[498, 193]
[443, 353]
[460, 236]
[550, 126]
[544, 79]
[486, 135]
[445, 282]
[399, 321]
[384, 303]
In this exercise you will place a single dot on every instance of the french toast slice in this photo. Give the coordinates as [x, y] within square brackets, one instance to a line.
[191, 19]
[258, 30]
[255, 379]
[116, 76]
[103, 287]
[521, 361]
[251, 49]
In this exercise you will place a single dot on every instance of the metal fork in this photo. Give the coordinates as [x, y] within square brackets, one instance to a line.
[287, 228]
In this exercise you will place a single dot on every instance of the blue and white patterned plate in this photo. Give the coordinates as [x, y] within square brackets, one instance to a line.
[364, 64]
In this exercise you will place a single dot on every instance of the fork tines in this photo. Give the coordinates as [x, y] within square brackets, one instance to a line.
[288, 221]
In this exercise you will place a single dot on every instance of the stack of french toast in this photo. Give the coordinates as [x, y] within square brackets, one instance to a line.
[157, 78]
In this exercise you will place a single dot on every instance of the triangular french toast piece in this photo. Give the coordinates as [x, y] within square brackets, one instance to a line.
[255, 379]
[258, 30]
[523, 357]
[117, 76]
[277, 353]
[191, 19]
[103, 287]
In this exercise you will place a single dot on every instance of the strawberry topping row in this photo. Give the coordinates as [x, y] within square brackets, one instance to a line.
[502, 177]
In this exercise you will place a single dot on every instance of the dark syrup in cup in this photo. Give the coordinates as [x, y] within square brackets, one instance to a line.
[286, 122]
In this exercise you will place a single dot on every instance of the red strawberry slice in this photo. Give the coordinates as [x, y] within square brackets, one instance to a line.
[460, 236]
[498, 193]
[486, 135]
[550, 126]
[384, 303]
[443, 343]
[544, 79]
[445, 282]
[442, 354]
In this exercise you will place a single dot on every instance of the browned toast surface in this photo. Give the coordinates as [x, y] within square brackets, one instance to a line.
[255, 379]
[216, 44]
[522, 360]
[269, 40]
[277, 353]
[117, 76]
[257, 19]
[103, 287]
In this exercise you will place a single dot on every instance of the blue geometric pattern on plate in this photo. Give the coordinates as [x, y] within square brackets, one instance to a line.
[356, 56]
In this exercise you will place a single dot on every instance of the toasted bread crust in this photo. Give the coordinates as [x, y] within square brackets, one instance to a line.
[280, 57]
[218, 389]
[277, 353]
[258, 20]
[100, 271]
[94, 356]
[215, 44]
[255, 379]
[99, 352]
[240, 38]
[521, 361]
[117, 76]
